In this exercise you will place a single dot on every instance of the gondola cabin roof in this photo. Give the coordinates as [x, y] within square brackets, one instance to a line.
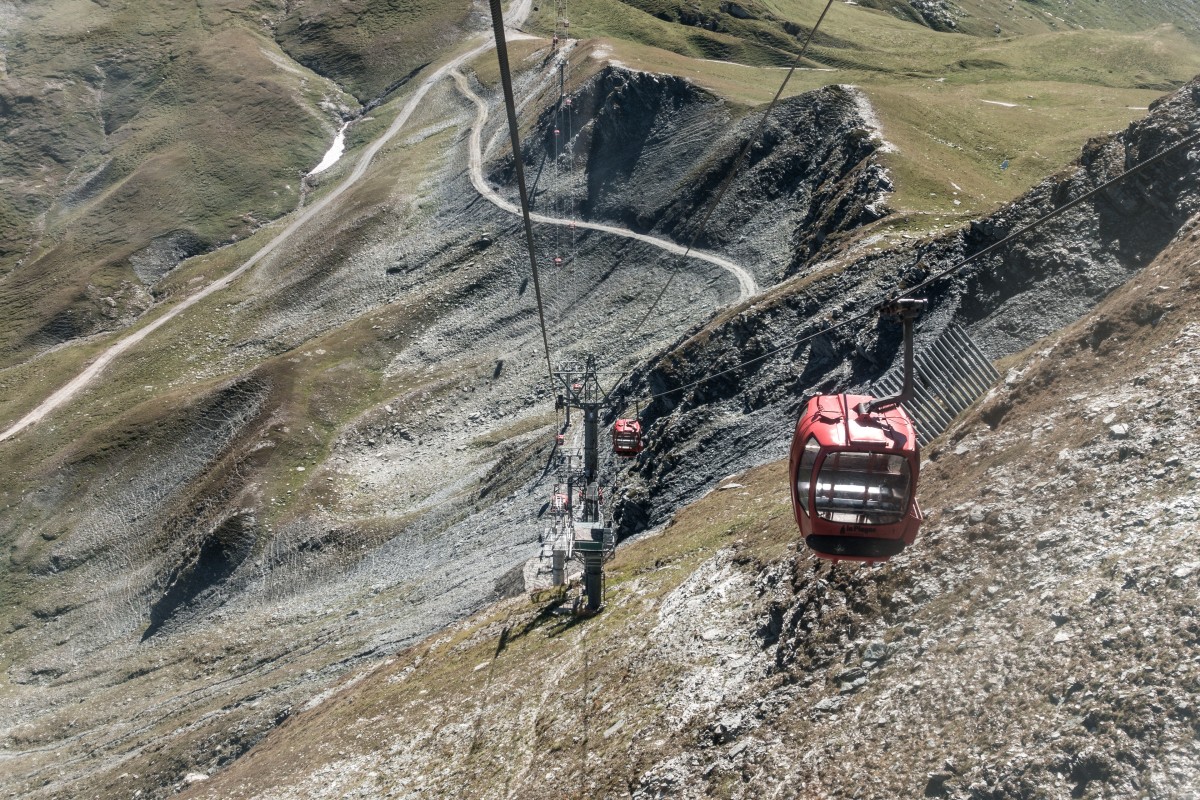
[835, 421]
[627, 437]
[627, 426]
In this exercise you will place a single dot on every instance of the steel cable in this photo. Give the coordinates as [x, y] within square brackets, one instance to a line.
[510, 107]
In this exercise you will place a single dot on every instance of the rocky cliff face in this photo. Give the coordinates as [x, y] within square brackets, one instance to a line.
[1006, 301]
[639, 150]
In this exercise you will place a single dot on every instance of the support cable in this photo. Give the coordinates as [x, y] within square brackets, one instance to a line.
[567, 111]
[1182, 143]
[736, 166]
[874, 308]
[555, 281]
[510, 106]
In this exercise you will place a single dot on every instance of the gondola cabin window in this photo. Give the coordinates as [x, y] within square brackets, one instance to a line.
[862, 488]
[804, 480]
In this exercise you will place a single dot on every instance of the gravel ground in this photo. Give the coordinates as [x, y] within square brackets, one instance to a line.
[217, 619]
[440, 488]
[1036, 642]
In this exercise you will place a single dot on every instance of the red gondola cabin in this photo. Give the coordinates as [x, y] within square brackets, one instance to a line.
[627, 437]
[854, 479]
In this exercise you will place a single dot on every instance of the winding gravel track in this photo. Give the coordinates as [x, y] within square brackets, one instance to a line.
[746, 285]
[517, 13]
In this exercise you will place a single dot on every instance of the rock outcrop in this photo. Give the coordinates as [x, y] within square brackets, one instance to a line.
[638, 150]
[709, 410]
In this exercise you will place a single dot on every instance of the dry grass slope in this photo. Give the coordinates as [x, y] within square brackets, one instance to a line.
[1032, 644]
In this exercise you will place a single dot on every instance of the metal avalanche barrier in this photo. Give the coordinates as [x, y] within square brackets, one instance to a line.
[950, 374]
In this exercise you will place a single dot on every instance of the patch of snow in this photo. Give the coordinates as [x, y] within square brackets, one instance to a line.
[999, 103]
[335, 151]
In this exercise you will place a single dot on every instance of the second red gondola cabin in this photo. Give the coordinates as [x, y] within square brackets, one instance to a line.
[854, 479]
[627, 437]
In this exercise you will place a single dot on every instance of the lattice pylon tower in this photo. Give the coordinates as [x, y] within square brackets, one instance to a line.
[561, 22]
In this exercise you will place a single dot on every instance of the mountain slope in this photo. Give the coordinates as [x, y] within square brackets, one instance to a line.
[1035, 641]
[372, 49]
[1018, 649]
[701, 427]
[348, 448]
[982, 18]
[134, 136]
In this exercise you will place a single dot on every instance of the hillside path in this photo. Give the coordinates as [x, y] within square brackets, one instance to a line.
[746, 284]
[518, 11]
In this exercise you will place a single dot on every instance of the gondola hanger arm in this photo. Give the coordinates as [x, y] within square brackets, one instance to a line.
[906, 309]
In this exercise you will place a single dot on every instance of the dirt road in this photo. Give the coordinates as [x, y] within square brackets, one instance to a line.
[517, 14]
[746, 285]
